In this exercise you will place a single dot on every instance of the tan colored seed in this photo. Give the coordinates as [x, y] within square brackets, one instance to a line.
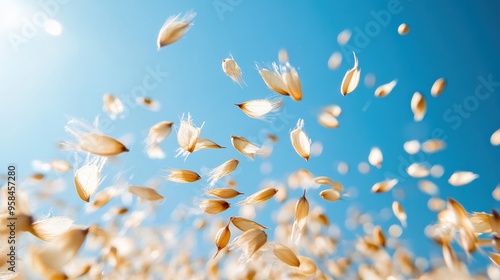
[495, 138]
[301, 213]
[259, 196]
[300, 142]
[399, 212]
[384, 186]
[344, 37]
[461, 178]
[148, 103]
[159, 132]
[232, 70]
[418, 106]
[60, 166]
[101, 145]
[204, 143]
[428, 187]
[251, 241]
[222, 170]
[323, 180]
[351, 78]
[245, 224]
[417, 170]
[214, 206]
[438, 87]
[273, 79]
[64, 248]
[224, 193]
[403, 29]
[174, 29]
[112, 105]
[412, 147]
[385, 89]
[307, 266]
[182, 176]
[379, 237]
[330, 195]
[433, 145]
[222, 239]
[146, 193]
[286, 255]
[49, 229]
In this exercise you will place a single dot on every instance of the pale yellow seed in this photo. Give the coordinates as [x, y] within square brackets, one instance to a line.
[245, 147]
[461, 178]
[49, 229]
[385, 89]
[292, 82]
[323, 180]
[335, 60]
[428, 187]
[438, 87]
[64, 248]
[433, 145]
[174, 29]
[418, 106]
[328, 120]
[112, 105]
[232, 70]
[224, 193]
[436, 204]
[300, 142]
[344, 37]
[60, 166]
[286, 255]
[259, 108]
[417, 170]
[351, 78]
[145, 193]
[88, 177]
[159, 132]
[273, 80]
[244, 224]
[495, 138]
[375, 157]
[412, 147]
[496, 193]
[148, 103]
[222, 170]
[403, 29]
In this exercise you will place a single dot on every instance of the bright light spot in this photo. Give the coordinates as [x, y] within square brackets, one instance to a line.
[53, 27]
[316, 149]
[342, 168]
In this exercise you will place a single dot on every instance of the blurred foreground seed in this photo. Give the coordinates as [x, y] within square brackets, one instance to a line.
[418, 106]
[174, 28]
[145, 193]
[399, 212]
[112, 105]
[438, 87]
[375, 158]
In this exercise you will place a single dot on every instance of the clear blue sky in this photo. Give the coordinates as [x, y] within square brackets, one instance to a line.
[110, 47]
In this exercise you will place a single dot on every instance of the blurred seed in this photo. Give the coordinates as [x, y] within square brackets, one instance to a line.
[344, 37]
[375, 158]
[495, 258]
[174, 29]
[333, 110]
[60, 166]
[49, 229]
[428, 187]
[433, 145]
[222, 170]
[101, 145]
[182, 176]
[417, 170]
[335, 60]
[301, 213]
[245, 147]
[461, 178]
[496, 193]
[495, 138]
[286, 255]
[145, 193]
[327, 120]
[351, 78]
[272, 137]
[159, 132]
[323, 180]
[438, 87]
[283, 56]
[412, 147]
[88, 177]
[245, 224]
[330, 195]
[384, 186]
[102, 198]
[307, 266]
[148, 103]
[222, 239]
[378, 236]
[399, 212]
[214, 206]
[418, 106]
[363, 168]
[259, 196]
[449, 257]
[259, 108]
[436, 204]
[224, 193]
[232, 70]
[342, 168]
[370, 80]
[251, 241]
[112, 105]
[187, 136]
[300, 142]
[385, 89]
[63, 249]
[403, 29]
[155, 152]
[395, 231]
[273, 79]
